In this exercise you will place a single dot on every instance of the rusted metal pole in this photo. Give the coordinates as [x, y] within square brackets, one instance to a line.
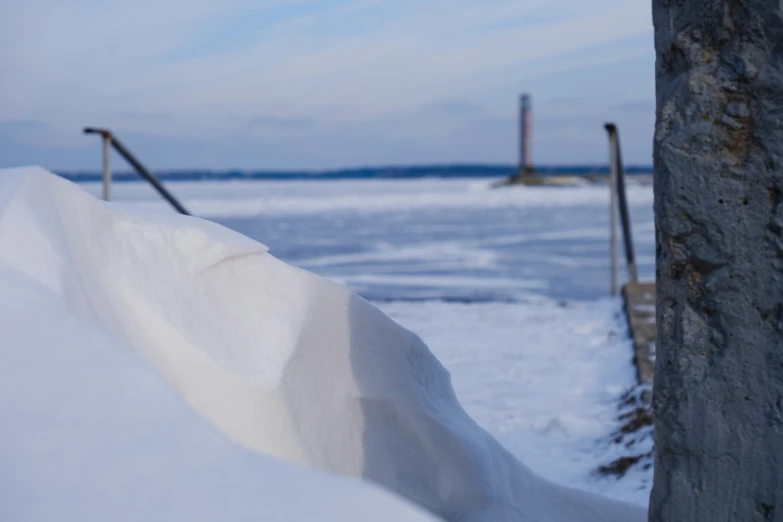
[106, 170]
[524, 135]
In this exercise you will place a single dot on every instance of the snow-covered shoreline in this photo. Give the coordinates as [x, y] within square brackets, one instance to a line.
[545, 378]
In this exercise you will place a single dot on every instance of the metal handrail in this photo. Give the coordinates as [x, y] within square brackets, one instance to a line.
[619, 200]
[110, 140]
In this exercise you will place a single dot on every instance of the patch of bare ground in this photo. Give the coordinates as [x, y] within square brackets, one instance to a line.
[633, 436]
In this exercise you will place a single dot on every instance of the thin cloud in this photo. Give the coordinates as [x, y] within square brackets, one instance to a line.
[275, 122]
[341, 63]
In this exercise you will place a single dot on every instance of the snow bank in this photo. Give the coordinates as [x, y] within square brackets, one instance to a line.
[89, 432]
[282, 361]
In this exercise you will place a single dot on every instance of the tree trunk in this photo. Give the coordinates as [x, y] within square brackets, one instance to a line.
[718, 394]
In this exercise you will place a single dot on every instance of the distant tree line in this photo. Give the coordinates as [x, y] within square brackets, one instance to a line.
[401, 172]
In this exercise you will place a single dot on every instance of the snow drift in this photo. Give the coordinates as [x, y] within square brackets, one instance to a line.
[284, 362]
[89, 432]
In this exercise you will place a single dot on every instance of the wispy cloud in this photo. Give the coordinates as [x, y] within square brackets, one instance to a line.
[352, 66]
[276, 123]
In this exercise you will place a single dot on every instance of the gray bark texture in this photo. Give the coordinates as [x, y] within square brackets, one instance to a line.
[718, 153]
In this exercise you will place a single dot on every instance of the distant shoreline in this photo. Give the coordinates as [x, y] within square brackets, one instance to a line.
[412, 172]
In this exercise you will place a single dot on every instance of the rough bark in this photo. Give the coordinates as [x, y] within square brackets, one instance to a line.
[718, 392]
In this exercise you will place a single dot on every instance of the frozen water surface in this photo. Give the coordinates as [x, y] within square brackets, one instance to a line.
[429, 239]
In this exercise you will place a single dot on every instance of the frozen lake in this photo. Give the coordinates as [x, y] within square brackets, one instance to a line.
[429, 239]
[509, 288]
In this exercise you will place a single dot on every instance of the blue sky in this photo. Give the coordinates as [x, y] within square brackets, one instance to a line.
[317, 84]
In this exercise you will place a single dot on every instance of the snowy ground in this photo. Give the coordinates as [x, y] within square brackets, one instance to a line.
[91, 433]
[508, 287]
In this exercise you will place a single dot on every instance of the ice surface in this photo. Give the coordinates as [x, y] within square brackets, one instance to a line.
[461, 240]
[255, 198]
[284, 362]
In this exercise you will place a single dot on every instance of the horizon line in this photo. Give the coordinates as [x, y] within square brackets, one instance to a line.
[413, 167]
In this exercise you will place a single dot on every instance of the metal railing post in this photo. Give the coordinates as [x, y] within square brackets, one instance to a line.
[618, 188]
[106, 140]
[625, 216]
[136, 164]
[613, 212]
